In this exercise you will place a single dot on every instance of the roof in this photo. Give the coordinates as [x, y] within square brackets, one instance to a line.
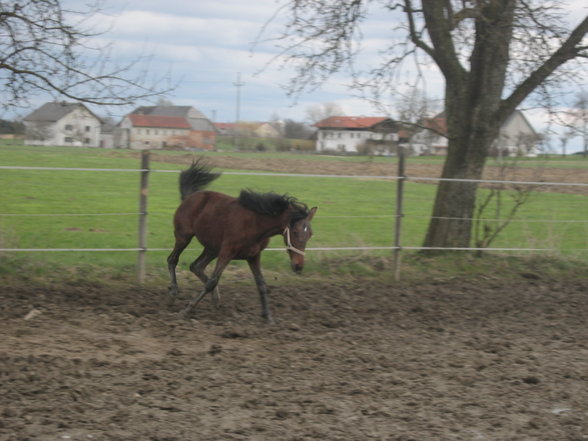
[202, 124]
[54, 111]
[437, 124]
[196, 119]
[159, 121]
[350, 122]
[524, 119]
[225, 125]
[184, 111]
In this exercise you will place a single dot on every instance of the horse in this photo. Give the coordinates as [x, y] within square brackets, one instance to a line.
[232, 228]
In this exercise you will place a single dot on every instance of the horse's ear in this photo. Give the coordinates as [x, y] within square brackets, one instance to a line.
[311, 213]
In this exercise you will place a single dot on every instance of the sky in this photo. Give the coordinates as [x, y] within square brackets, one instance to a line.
[209, 47]
[218, 56]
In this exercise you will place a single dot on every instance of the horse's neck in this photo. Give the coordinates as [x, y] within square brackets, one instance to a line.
[278, 224]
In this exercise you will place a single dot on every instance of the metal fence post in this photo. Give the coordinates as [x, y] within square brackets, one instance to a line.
[399, 212]
[143, 194]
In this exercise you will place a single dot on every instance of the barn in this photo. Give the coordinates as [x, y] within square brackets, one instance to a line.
[158, 127]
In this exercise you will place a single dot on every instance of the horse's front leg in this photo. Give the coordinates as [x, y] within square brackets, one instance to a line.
[210, 285]
[255, 266]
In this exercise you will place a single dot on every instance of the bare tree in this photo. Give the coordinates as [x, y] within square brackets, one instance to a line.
[297, 130]
[46, 48]
[492, 54]
[414, 106]
[318, 112]
[414, 111]
[493, 204]
[564, 138]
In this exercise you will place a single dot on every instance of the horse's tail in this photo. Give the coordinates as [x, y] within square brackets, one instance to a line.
[195, 178]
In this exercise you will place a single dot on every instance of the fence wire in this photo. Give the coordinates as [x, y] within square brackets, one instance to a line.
[297, 175]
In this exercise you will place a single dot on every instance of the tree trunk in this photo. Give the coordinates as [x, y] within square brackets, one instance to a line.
[472, 104]
[455, 202]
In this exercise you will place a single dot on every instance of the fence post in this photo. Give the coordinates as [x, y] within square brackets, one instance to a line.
[144, 191]
[399, 213]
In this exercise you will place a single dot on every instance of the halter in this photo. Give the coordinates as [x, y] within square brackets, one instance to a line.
[289, 245]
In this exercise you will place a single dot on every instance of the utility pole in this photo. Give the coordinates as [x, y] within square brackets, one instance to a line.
[238, 84]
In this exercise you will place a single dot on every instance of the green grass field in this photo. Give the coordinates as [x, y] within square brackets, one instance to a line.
[78, 209]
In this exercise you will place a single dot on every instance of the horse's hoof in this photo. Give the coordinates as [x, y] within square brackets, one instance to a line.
[216, 299]
[186, 313]
[172, 294]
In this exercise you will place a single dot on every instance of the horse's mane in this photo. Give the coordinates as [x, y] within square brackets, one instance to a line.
[272, 204]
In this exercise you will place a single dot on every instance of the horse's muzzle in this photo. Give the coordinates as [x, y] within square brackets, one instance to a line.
[297, 268]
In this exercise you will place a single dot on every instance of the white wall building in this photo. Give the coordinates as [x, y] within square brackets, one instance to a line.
[350, 134]
[516, 137]
[68, 124]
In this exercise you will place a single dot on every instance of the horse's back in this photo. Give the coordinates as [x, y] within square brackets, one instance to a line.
[203, 206]
[208, 215]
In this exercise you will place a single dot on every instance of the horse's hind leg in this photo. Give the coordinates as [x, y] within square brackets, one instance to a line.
[172, 261]
[255, 266]
[198, 267]
[221, 264]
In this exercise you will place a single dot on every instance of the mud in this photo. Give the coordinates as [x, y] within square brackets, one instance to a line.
[458, 359]
[548, 172]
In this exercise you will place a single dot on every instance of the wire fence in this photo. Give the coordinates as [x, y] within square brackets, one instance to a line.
[398, 215]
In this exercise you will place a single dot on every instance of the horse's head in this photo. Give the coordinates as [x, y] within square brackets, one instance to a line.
[295, 237]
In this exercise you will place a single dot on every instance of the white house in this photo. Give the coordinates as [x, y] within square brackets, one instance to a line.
[59, 123]
[516, 137]
[353, 134]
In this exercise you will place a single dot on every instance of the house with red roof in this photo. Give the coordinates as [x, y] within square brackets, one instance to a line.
[517, 137]
[356, 134]
[157, 127]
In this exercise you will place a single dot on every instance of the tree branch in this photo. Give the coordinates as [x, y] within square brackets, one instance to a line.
[569, 50]
[439, 19]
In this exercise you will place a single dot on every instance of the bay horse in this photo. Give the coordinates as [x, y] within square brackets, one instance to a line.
[232, 228]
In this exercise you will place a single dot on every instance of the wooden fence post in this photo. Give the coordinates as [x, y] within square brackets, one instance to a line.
[144, 191]
[399, 212]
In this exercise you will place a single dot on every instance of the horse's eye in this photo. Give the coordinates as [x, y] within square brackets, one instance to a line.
[305, 229]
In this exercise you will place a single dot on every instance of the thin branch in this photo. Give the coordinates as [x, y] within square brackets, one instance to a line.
[569, 50]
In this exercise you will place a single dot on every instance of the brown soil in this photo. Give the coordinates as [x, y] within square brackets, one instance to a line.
[547, 173]
[457, 359]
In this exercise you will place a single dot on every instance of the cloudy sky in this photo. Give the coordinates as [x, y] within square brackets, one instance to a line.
[203, 45]
[207, 45]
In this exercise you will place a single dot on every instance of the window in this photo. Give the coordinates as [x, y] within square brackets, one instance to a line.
[68, 127]
[88, 128]
[68, 140]
[86, 140]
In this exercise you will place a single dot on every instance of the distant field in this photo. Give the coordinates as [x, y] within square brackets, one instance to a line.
[36, 209]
